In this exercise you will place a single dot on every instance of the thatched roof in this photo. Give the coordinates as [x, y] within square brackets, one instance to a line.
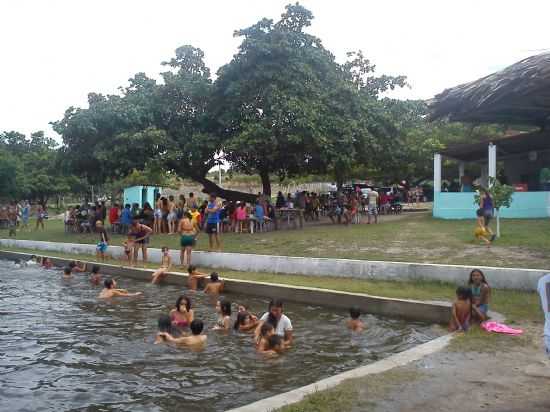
[519, 94]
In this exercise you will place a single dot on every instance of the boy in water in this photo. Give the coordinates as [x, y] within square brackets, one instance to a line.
[95, 278]
[67, 272]
[215, 286]
[77, 266]
[165, 265]
[110, 290]
[462, 310]
[194, 277]
[103, 243]
[354, 323]
[275, 345]
[195, 339]
[480, 232]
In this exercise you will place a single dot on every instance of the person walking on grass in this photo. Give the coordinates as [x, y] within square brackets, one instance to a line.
[212, 221]
[486, 204]
[40, 216]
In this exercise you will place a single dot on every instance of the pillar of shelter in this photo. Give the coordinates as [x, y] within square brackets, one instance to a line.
[437, 173]
[492, 161]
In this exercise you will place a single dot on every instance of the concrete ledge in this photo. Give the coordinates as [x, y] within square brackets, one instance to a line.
[296, 395]
[502, 278]
[407, 309]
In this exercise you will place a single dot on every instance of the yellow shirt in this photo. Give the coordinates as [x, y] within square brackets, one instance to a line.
[195, 218]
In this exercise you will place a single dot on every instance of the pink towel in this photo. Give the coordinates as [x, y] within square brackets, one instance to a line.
[490, 326]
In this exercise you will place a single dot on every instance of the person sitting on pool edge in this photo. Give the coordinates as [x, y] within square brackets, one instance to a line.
[110, 290]
[196, 338]
[281, 323]
[215, 286]
[165, 265]
[354, 323]
[194, 277]
[481, 293]
[462, 310]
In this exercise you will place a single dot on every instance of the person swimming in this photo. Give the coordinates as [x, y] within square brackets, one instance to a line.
[67, 272]
[266, 330]
[194, 277]
[215, 286]
[196, 338]
[77, 266]
[354, 323]
[110, 290]
[245, 322]
[182, 315]
[223, 308]
[95, 277]
[275, 345]
[165, 326]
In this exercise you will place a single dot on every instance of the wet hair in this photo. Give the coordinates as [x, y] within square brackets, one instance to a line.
[274, 303]
[241, 319]
[95, 269]
[72, 264]
[108, 283]
[214, 277]
[196, 327]
[479, 212]
[265, 329]
[354, 312]
[191, 269]
[463, 293]
[273, 341]
[471, 279]
[165, 325]
[225, 307]
[187, 302]
[67, 270]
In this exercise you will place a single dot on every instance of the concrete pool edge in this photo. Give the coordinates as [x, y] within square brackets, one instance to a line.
[296, 395]
[412, 310]
[501, 277]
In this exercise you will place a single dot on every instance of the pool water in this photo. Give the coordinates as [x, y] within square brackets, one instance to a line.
[63, 349]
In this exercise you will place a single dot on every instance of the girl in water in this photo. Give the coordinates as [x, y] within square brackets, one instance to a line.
[196, 338]
[262, 343]
[194, 277]
[481, 293]
[166, 328]
[245, 322]
[215, 286]
[182, 315]
[224, 315]
[165, 265]
[110, 290]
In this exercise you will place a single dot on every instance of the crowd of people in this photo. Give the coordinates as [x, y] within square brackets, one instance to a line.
[16, 215]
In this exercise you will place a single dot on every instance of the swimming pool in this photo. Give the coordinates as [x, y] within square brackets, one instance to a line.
[63, 349]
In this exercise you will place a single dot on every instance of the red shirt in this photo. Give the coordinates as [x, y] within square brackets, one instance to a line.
[113, 215]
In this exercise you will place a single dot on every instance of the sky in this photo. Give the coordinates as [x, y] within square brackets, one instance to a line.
[53, 53]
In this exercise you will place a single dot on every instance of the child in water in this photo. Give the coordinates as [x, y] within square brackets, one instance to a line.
[47, 263]
[194, 277]
[223, 308]
[245, 322]
[95, 278]
[165, 265]
[182, 315]
[262, 343]
[275, 345]
[110, 290]
[215, 286]
[354, 323]
[67, 272]
[77, 266]
[196, 338]
[462, 310]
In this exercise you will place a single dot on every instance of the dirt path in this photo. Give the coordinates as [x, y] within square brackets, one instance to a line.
[462, 381]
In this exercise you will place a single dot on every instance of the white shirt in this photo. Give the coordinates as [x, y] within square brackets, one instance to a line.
[544, 291]
[283, 324]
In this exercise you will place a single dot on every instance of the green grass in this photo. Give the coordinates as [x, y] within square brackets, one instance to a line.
[416, 238]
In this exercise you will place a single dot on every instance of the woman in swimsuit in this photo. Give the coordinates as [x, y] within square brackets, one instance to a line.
[182, 315]
[141, 234]
[188, 235]
[223, 308]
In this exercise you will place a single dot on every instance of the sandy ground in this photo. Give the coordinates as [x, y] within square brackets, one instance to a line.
[463, 381]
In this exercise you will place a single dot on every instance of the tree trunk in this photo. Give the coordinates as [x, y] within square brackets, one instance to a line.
[498, 223]
[266, 183]
[231, 195]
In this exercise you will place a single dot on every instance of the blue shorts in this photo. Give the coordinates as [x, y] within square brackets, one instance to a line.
[101, 247]
[484, 308]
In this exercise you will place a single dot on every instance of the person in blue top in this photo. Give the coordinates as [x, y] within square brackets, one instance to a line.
[259, 213]
[126, 218]
[212, 213]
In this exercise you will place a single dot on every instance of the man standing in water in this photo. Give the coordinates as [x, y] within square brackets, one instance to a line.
[212, 221]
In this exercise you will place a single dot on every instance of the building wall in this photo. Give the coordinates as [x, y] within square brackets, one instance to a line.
[132, 195]
[519, 167]
[449, 205]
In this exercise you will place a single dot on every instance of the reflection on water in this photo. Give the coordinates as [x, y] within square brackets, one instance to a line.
[63, 349]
